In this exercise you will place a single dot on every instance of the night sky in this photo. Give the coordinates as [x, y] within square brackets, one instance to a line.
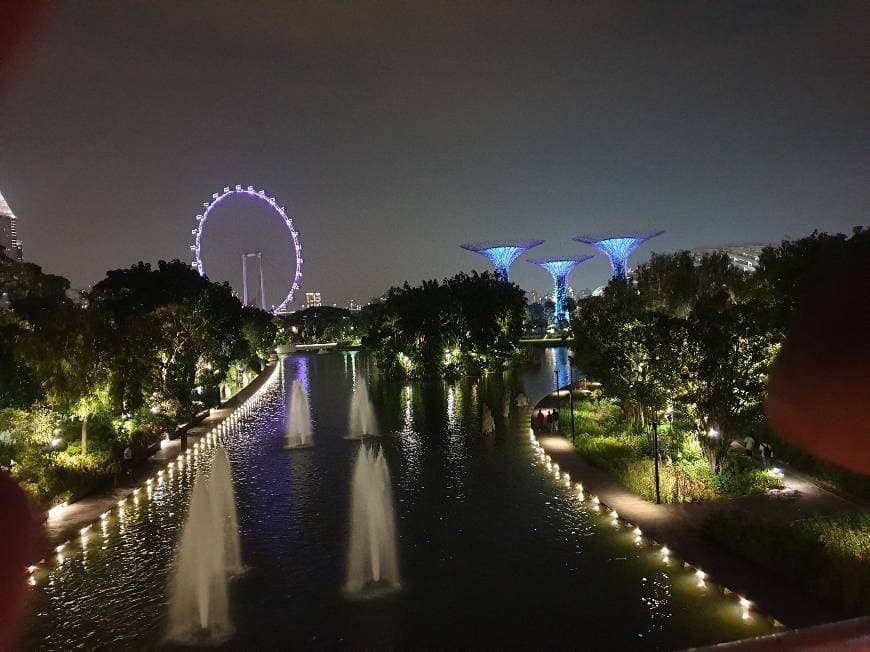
[394, 132]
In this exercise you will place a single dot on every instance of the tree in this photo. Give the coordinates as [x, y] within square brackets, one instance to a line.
[465, 324]
[66, 358]
[173, 335]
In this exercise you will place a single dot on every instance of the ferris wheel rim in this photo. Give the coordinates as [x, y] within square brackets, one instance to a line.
[260, 195]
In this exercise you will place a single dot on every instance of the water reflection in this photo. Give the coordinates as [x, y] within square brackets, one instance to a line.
[456, 445]
[409, 441]
[493, 549]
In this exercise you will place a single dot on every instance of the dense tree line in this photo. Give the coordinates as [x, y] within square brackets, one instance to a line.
[464, 324]
[146, 349]
[320, 324]
[694, 340]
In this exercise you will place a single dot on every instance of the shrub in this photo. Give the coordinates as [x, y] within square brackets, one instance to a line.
[830, 556]
[741, 476]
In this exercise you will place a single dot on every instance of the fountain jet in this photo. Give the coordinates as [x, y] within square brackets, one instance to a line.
[298, 419]
[208, 554]
[362, 415]
[373, 560]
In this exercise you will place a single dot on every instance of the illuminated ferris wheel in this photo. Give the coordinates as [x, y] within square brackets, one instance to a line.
[295, 277]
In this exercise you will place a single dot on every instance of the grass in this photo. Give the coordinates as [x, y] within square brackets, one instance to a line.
[829, 556]
[607, 439]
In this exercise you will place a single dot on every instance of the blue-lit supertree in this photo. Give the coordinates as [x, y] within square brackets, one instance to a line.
[559, 268]
[501, 254]
[618, 247]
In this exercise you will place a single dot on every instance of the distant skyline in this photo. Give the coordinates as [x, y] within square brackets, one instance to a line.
[393, 132]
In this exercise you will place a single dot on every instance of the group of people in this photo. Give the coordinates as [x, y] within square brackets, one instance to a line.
[547, 422]
[765, 450]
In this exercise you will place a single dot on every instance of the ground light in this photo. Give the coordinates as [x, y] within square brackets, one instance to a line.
[701, 576]
[58, 510]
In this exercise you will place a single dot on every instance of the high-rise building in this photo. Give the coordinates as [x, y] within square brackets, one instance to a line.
[312, 300]
[9, 232]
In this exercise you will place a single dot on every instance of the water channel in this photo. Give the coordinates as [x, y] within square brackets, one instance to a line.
[492, 551]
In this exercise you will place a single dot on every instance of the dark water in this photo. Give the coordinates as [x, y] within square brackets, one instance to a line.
[493, 554]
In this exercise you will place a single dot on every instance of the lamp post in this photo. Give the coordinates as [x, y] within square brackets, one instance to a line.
[556, 374]
[655, 429]
[571, 393]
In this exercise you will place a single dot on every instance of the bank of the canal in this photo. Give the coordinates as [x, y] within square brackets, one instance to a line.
[494, 552]
[66, 524]
[678, 526]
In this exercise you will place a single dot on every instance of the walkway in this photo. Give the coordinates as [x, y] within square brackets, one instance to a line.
[679, 527]
[84, 512]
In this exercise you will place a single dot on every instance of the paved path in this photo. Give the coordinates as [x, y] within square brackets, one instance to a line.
[86, 511]
[679, 527]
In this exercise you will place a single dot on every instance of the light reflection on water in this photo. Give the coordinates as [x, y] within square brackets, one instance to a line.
[492, 552]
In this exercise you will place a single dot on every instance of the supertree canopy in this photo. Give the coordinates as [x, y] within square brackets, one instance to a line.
[618, 247]
[559, 268]
[502, 254]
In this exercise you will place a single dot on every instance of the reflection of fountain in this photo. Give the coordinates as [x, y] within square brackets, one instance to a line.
[372, 561]
[487, 423]
[298, 419]
[208, 553]
[362, 414]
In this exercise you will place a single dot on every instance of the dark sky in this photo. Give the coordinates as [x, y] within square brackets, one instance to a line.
[393, 132]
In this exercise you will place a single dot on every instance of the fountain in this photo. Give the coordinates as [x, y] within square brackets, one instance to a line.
[372, 561]
[223, 502]
[208, 554]
[362, 415]
[298, 419]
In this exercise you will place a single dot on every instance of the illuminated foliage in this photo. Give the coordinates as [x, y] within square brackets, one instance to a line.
[465, 324]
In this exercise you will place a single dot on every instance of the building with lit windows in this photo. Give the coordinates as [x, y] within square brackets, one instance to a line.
[312, 299]
[9, 239]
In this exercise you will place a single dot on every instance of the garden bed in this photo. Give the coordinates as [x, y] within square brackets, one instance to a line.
[829, 556]
[608, 440]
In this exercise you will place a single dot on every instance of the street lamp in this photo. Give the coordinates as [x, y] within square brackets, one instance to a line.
[655, 429]
[571, 393]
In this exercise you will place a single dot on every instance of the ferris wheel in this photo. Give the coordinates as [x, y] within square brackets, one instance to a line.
[294, 277]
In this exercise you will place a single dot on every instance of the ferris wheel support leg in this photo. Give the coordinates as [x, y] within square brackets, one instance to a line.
[244, 279]
[262, 292]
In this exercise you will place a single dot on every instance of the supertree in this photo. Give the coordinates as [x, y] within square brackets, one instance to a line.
[559, 268]
[618, 247]
[501, 254]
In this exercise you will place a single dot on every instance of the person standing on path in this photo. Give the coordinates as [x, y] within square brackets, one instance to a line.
[115, 470]
[766, 454]
[540, 420]
[555, 420]
[128, 459]
[550, 421]
[749, 443]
